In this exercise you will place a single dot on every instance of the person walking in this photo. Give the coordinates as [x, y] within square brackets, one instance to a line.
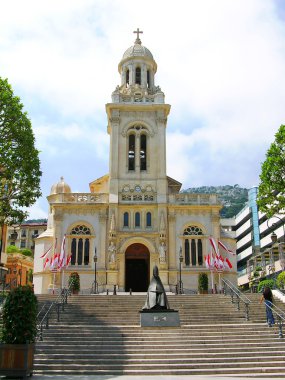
[267, 298]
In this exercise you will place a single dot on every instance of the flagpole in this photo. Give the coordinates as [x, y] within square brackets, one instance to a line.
[62, 279]
[53, 282]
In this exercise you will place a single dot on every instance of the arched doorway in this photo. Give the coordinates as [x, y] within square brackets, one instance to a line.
[137, 268]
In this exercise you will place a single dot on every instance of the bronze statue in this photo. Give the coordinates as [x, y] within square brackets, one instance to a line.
[156, 296]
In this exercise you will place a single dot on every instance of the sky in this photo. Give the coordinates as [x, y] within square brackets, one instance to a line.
[220, 64]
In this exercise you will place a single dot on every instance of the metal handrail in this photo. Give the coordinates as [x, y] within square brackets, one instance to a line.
[280, 315]
[236, 293]
[61, 300]
[242, 295]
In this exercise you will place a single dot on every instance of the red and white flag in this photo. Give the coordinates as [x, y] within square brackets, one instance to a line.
[55, 261]
[51, 263]
[46, 263]
[62, 258]
[227, 264]
[68, 261]
[225, 248]
[219, 262]
[213, 244]
[207, 261]
[46, 253]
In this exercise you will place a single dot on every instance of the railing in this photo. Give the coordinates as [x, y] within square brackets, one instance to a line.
[175, 288]
[58, 304]
[193, 199]
[237, 296]
[279, 315]
[80, 198]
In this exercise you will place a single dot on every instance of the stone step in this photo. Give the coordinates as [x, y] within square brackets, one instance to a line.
[101, 335]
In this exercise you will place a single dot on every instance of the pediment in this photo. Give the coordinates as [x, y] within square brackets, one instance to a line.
[100, 185]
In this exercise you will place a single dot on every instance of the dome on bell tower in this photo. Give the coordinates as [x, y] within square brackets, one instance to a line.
[138, 53]
[60, 187]
[137, 50]
[137, 69]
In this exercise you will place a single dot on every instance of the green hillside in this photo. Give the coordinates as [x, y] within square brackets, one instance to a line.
[233, 198]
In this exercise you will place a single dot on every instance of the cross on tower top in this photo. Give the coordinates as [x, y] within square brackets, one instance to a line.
[138, 31]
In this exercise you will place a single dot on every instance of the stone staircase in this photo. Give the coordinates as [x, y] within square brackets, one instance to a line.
[99, 334]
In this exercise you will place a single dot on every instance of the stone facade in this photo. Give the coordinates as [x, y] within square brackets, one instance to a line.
[134, 217]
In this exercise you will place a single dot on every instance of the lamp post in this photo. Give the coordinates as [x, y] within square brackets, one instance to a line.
[95, 258]
[180, 284]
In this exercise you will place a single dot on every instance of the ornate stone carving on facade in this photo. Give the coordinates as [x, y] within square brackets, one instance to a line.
[162, 120]
[162, 229]
[112, 253]
[162, 253]
[112, 230]
[114, 120]
[138, 122]
[58, 215]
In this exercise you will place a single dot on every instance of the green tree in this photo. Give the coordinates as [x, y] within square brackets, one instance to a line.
[271, 191]
[19, 159]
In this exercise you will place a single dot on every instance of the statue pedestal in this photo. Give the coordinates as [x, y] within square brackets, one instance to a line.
[160, 318]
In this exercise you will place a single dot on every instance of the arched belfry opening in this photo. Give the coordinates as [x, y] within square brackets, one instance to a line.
[137, 268]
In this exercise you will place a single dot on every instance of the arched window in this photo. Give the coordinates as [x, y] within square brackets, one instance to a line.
[80, 245]
[126, 219]
[193, 252]
[127, 77]
[143, 152]
[193, 246]
[73, 251]
[138, 75]
[137, 219]
[200, 252]
[80, 251]
[148, 219]
[86, 251]
[187, 256]
[131, 154]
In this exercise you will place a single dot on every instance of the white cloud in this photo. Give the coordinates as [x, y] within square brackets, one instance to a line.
[220, 63]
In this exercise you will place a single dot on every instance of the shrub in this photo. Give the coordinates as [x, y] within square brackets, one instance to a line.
[12, 249]
[20, 316]
[203, 282]
[263, 283]
[281, 280]
[26, 252]
[74, 281]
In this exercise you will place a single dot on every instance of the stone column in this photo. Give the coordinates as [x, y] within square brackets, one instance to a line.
[171, 242]
[101, 247]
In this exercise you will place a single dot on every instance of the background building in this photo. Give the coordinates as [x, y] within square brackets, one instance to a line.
[254, 243]
[24, 236]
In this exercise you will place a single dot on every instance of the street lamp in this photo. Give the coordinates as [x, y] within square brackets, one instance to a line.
[14, 235]
[180, 284]
[95, 258]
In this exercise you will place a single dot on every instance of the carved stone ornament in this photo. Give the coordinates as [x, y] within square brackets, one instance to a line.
[115, 120]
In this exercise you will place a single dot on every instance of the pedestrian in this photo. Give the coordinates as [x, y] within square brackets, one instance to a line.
[267, 298]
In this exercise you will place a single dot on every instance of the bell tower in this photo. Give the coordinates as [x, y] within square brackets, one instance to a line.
[137, 118]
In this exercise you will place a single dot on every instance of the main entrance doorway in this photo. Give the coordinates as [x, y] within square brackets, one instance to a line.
[137, 268]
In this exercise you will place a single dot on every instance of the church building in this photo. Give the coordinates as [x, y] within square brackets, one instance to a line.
[134, 217]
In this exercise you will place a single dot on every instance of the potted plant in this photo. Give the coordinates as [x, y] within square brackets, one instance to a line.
[19, 332]
[203, 283]
[74, 282]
